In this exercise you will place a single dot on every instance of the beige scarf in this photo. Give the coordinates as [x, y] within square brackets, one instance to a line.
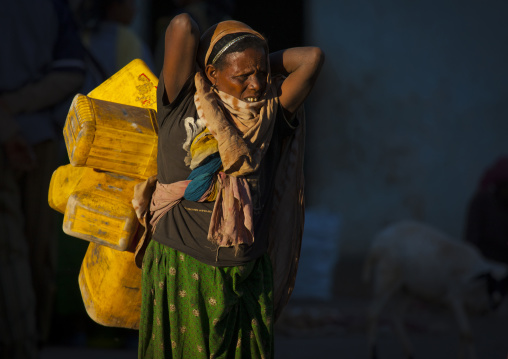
[243, 136]
[243, 132]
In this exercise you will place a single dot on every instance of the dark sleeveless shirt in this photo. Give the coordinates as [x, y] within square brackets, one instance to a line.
[185, 227]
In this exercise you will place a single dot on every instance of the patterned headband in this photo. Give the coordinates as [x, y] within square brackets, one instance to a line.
[229, 44]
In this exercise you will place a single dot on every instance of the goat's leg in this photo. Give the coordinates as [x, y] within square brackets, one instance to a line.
[382, 293]
[375, 308]
[466, 346]
[400, 307]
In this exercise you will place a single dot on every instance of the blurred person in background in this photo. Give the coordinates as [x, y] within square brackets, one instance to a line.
[41, 67]
[110, 43]
[487, 215]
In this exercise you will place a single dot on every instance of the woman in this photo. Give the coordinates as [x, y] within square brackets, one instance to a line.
[229, 183]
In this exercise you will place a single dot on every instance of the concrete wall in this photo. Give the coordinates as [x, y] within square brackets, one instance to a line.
[410, 108]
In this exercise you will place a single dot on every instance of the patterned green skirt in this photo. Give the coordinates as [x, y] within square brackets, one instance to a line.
[193, 310]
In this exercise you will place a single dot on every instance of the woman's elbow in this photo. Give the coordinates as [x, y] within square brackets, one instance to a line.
[182, 24]
[316, 57]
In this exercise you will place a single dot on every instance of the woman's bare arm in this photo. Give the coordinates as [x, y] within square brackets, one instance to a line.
[181, 44]
[301, 65]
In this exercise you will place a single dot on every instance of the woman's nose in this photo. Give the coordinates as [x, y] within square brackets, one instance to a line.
[257, 83]
[254, 83]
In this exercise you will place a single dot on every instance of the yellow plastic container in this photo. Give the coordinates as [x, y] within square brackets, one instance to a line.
[103, 137]
[99, 210]
[111, 137]
[110, 285]
[133, 85]
[63, 182]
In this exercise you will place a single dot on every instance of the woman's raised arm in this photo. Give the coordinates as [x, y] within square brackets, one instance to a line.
[301, 65]
[181, 44]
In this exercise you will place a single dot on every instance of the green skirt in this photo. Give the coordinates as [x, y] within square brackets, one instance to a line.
[194, 310]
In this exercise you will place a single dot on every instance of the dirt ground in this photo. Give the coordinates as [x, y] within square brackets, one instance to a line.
[337, 330]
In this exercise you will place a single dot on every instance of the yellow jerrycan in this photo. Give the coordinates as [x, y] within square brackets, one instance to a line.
[111, 137]
[96, 205]
[113, 129]
[110, 285]
[63, 182]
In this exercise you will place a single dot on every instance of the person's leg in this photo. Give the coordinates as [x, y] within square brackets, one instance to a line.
[41, 233]
[18, 336]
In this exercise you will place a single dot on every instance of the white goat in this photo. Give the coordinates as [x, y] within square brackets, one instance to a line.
[412, 259]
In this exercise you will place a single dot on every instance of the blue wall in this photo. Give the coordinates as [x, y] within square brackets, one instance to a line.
[410, 109]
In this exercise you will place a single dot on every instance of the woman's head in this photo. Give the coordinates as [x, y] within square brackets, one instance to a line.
[234, 59]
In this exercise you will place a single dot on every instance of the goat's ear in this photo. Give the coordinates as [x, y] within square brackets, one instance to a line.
[494, 290]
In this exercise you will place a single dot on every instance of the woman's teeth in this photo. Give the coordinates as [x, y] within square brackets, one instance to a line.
[251, 99]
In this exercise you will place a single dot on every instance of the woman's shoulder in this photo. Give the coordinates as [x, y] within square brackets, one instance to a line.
[187, 90]
[286, 123]
[182, 106]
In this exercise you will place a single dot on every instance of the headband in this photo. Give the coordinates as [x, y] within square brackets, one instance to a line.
[229, 44]
[218, 31]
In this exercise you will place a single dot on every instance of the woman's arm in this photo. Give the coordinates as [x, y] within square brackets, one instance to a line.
[181, 44]
[301, 65]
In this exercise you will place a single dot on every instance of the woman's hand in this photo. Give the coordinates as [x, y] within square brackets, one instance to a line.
[181, 44]
[301, 65]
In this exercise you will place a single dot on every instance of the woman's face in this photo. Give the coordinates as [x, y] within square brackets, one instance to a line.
[242, 75]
